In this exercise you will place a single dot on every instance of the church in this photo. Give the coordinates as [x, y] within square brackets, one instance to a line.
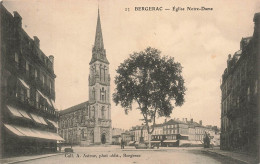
[89, 123]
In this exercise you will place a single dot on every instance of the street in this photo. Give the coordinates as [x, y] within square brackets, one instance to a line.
[113, 154]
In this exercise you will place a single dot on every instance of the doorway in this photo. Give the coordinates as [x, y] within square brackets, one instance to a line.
[103, 139]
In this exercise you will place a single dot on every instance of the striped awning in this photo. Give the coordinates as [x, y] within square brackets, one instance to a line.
[33, 133]
[45, 97]
[167, 141]
[18, 112]
[38, 119]
[53, 123]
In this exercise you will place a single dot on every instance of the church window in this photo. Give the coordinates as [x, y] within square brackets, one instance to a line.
[103, 112]
[100, 67]
[93, 93]
[102, 91]
[93, 112]
[104, 73]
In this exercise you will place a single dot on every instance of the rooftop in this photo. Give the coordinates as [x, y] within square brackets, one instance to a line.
[74, 108]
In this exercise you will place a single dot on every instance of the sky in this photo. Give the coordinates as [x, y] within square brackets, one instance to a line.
[199, 40]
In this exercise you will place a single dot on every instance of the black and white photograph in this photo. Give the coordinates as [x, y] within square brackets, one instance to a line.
[130, 81]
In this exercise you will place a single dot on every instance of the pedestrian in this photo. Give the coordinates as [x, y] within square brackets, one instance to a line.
[59, 147]
[122, 142]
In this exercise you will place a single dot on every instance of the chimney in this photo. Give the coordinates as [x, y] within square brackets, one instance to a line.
[17, 19]
[36, 41]
[185, 119]
[51, 57]
[191, 120]
[200, 122]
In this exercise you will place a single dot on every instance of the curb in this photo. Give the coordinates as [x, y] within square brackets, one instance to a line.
[230, 157]
[30, 159]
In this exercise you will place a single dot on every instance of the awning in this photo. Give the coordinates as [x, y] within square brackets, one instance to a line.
[53, 123]
[13, 130]
[24, 114]
[48, 101]
[155, 141]
[18, 112]
[42, 120]
[34, 133]
[26, 131]
[38, 119]
[14, 111]
[184, 135]
[45, 97]
[24, 83]
[170, 141]
[53, 104]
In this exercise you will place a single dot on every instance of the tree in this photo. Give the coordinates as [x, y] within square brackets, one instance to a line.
[153, 82]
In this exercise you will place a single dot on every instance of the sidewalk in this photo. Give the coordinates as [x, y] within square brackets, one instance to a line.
[239, 157]
[26, 158]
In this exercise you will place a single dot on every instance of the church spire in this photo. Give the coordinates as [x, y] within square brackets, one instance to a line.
[99, 38]
[98, 50]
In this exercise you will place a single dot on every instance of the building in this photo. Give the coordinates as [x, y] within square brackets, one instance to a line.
[28, 113]
[90, 122]
[240, 95]
[117, 131]
[116, 140]
[127, 137]
[176, 132]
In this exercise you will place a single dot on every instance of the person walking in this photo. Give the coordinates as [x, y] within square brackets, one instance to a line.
[122, 144]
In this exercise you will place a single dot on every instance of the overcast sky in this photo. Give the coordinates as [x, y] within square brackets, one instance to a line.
[200, 41]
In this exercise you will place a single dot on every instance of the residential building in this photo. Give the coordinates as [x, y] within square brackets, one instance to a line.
[240, 96]
[176, 132]
[28, 113]
[90, 122]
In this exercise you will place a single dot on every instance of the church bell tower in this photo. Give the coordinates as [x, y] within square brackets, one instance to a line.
[99, 90]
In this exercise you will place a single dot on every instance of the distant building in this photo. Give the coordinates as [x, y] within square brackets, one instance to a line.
[90, 122]
[240, 96]
[176, 132]
[117, 131]
[127, 137]
[28, 113]
[116, 136]
[116, 140]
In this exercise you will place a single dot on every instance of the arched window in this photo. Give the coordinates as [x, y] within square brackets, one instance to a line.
[93, 93]
[100, 67]
[93, 112]
[104, 73]
[103, 112]
[102, 92]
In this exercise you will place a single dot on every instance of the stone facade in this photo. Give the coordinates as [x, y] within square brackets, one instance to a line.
[28, 113]
[90, 122]
[240, 95]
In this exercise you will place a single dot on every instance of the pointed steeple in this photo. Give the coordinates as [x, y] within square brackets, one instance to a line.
[99, 38]
[98, 50]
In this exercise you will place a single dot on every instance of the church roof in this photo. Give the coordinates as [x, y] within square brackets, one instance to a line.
[74, 108]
